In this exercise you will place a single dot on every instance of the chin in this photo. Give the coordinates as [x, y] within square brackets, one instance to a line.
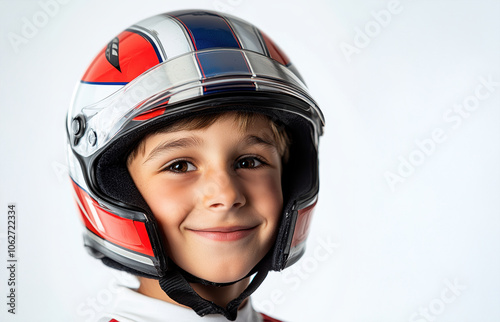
[224, 273]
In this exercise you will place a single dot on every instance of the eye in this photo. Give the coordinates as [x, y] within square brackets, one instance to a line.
[180, 166]
[248, 163]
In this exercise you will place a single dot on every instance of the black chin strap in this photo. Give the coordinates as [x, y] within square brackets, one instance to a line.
[175, 285]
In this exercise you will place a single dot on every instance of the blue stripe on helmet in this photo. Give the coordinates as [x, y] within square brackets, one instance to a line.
[208, 30]
[224, 63]
[229, 62]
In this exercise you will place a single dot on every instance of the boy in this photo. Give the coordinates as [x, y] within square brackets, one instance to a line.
[193, 156]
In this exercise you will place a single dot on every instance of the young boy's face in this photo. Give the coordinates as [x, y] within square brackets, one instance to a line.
[216, 193]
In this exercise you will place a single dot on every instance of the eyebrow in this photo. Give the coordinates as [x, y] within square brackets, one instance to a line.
[193, 142]
[257, 140]
[186, 142]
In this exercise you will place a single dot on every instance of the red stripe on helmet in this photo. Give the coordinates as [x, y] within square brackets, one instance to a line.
[150, 114]
[135, 55]
[302, 225]
[127, 233]
[274, 51]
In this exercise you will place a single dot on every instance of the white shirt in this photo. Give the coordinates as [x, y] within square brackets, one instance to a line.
[131, 306]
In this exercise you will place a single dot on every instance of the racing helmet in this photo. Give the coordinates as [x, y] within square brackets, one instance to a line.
[159, 70]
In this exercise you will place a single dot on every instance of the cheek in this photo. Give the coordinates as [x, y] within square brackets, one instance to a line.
[266, 195]
[169, 203]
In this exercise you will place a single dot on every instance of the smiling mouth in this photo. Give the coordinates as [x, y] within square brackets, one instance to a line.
[224, 233]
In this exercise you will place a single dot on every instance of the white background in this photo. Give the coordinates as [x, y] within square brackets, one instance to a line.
[376, 252]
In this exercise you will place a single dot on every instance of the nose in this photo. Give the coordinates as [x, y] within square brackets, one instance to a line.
[221, 191]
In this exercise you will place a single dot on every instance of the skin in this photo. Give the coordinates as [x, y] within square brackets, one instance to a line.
[216, 193]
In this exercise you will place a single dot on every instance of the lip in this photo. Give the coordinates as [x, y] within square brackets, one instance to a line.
[225, 233]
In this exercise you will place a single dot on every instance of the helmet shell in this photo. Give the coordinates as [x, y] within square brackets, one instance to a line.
[164, 68]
